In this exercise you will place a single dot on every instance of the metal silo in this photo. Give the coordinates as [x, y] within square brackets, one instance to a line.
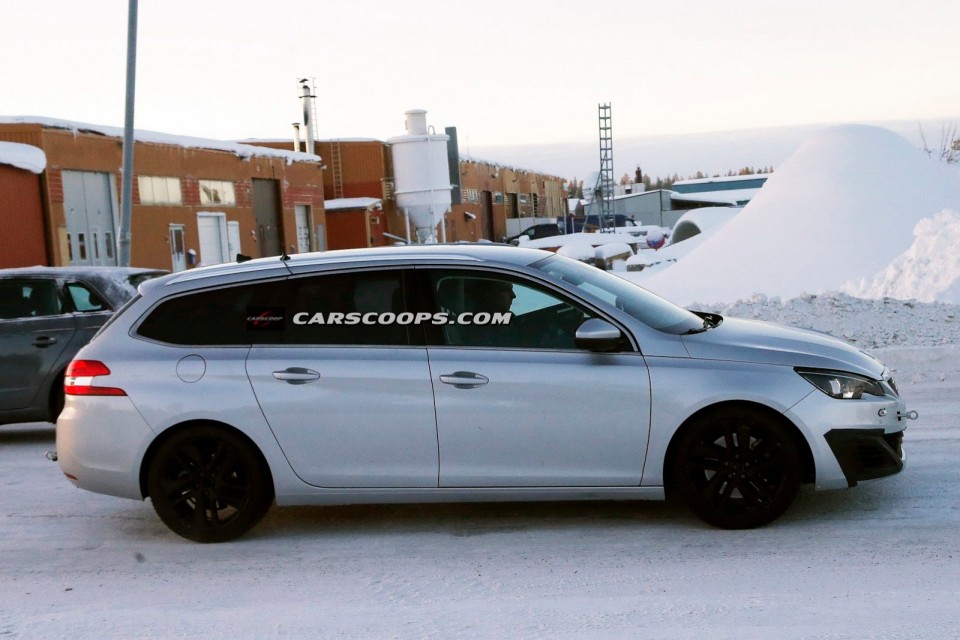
[421, 175]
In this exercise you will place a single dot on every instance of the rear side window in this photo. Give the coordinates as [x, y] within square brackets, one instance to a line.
[362, 308]
[29, 299]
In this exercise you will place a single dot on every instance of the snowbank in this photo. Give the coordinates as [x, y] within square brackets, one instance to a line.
[842, 208]
[928, 271]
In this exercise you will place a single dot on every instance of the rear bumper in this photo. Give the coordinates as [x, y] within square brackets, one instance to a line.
[99, 448]
[865, 454]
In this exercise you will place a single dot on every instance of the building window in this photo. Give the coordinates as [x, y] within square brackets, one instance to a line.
[523, 198]
[497, 197]
[159, 190]
[217, 192]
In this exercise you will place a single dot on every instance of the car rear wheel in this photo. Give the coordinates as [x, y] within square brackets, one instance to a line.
[737, 468]
[57, 398]
[209, 484]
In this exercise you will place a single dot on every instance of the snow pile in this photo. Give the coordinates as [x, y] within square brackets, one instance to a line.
[929, 270]
[867, 323]
[613, 250]
[842, 208]
[23, 156]
[577, 250]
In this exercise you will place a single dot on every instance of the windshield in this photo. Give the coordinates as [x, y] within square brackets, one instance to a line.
[647, 307]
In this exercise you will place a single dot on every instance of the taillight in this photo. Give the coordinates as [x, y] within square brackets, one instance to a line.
[81, 375]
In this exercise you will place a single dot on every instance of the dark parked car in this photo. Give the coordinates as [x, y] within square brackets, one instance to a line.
[535, 232]
[46, 315]
[577, 224]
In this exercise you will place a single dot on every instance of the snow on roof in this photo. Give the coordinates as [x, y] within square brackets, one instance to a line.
[592, 239]
[732, 196]
[140, 135]
[508, 167]
[23, 156]
[289, 140]
[872, 188]
[627, 196]
[752, 176]
[350, 203]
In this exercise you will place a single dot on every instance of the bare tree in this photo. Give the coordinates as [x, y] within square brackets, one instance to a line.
[949, 148]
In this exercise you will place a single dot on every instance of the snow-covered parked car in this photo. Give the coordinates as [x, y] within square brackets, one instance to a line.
[459, 373]
[46, 315]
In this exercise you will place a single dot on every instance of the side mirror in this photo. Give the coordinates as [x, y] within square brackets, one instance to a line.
[598, 335]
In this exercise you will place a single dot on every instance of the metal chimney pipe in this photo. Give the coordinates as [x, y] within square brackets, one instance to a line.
[308, 114]
[296, 137]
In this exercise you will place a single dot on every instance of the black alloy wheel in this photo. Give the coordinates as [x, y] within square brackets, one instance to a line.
[209, 484]
[737, 468]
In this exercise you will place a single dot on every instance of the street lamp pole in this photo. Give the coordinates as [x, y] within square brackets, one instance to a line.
[126, 194]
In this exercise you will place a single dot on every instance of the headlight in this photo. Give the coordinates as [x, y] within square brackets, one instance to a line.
[841, 385]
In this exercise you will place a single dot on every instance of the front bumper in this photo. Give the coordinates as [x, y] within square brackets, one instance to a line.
[865, 454]
[852, 440]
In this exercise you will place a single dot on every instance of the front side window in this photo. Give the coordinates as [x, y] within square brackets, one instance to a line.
[481, 309]
[84, 299]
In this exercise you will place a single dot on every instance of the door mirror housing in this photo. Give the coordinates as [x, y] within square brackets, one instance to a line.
[598, 335]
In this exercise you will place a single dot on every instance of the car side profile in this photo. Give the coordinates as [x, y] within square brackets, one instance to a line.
[458, 373]
[46, 315]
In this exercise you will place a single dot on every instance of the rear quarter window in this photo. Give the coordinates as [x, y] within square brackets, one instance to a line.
[229, 316]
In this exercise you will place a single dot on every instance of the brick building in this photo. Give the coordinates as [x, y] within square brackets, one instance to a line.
[198, 201]
[195, 201]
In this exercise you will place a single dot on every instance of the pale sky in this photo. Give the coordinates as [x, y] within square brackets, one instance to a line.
[502, 72]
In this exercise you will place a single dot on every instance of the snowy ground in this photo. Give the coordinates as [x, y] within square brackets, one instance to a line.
[878, 561]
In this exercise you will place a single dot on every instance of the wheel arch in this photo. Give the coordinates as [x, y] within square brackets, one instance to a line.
[168, 433]
[809, 465]
[55, 394]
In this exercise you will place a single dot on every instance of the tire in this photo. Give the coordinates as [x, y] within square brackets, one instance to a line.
[57, 398]
[737, 468]
[209, 484]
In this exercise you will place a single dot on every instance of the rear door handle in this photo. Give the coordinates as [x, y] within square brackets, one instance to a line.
[464, 379]
[296, 375]
[44, 341]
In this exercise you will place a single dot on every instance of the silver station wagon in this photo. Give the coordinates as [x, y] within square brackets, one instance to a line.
[458, 373]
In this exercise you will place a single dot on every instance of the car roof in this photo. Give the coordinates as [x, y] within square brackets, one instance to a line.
[76, 271]
[480, 252]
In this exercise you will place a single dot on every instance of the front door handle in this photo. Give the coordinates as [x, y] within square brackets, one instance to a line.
[296, 375]
[44, 341]
[464, 379]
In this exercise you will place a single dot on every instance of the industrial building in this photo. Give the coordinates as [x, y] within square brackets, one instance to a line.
[198, 201]
[665, 207]
[194, 201]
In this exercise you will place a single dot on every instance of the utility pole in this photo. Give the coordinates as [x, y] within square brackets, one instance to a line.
[126, 191]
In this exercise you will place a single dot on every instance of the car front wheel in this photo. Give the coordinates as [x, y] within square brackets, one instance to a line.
[209, 484]
[737, 468]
